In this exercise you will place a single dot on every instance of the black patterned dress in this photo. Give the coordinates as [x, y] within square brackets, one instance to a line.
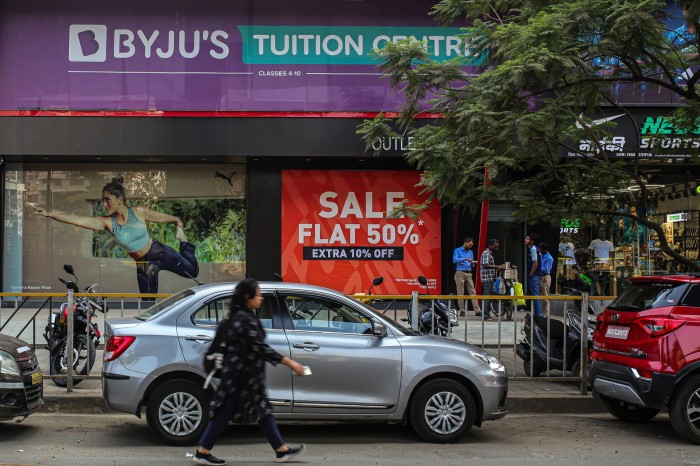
[243, 373]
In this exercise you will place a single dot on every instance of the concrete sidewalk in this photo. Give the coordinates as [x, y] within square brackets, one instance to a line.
[524, 395]
[538, 396]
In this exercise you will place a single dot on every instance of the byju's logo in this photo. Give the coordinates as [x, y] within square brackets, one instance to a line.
[87, 43]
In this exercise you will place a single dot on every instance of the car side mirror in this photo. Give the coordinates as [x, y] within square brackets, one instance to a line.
[379, 329]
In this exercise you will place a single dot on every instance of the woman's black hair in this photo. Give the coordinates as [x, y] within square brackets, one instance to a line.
[116, 187]
[245, 290]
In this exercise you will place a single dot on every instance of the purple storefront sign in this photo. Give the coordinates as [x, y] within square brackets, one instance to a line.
[209, 55]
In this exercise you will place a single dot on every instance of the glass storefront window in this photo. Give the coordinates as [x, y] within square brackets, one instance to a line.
[57, 214]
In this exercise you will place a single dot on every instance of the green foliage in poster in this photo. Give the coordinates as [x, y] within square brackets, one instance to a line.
[216, 226]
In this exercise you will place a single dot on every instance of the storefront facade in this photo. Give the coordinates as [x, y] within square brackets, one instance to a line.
[239, 119]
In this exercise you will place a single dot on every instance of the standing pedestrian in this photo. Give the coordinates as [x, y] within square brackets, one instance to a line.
[487, 274]
[533, 276]
[463, 258]
[241, 396]
[545, 270]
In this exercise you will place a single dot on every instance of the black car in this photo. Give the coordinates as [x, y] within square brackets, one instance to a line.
[21, 382]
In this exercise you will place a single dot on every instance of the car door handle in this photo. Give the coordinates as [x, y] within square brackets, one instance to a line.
[307, 346]
[200, 338]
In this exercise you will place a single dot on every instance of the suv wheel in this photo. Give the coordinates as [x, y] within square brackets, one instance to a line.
[442, 411]
[628, 412]
[177, 412]
[684, 407]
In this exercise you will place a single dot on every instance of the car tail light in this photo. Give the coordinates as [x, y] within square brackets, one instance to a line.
[657, 326]
[116, 345]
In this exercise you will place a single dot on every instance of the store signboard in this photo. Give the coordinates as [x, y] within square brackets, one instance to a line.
[677, 217]
[335, 231]
[209, 55]
[646, 133]
[267, 55]
[569, 225]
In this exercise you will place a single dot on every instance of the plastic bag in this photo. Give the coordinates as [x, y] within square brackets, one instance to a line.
[496, 288]
[518, 291]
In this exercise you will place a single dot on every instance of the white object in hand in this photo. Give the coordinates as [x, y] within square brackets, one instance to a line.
[307, 370]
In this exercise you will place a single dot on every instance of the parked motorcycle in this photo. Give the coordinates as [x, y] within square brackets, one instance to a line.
[86, 334]
[563, 343]
[432, 319]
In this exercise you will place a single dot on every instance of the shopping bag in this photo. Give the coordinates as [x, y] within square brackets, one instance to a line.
[496, 289]
[518, 290]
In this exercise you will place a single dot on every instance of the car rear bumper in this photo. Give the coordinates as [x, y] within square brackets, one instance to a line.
[621, 382]
[122, 389]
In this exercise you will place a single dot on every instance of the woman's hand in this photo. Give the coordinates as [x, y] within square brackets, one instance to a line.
[38, 210]
[297, 368]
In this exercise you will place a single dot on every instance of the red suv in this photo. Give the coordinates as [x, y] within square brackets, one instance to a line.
[646, 352]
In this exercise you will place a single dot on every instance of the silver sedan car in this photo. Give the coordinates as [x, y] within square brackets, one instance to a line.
[364, 365]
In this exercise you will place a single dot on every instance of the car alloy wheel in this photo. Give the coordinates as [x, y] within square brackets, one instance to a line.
[177, 412]
[442, 411]
[684, 410]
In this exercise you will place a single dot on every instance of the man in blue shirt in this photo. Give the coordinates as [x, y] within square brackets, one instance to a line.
[545, 270]
[533, 277]
[463, 258]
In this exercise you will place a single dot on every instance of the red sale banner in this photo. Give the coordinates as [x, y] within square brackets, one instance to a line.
[335, 231]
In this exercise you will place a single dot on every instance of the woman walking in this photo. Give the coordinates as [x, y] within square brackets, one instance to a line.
[241, 396]
[128, 227]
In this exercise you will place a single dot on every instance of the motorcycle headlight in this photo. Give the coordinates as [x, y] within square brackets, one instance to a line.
[8, 365]
[489, 360]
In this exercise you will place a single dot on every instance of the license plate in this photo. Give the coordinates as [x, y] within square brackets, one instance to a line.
[615, 331]
[36, 378]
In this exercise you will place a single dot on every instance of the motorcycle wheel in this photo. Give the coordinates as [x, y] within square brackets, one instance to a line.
[537, 368]
[83, 360]
[506, 310]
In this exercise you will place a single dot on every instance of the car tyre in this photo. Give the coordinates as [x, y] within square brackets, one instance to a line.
[685, 401]
[442, 411]
[628, 412]
[178, 411]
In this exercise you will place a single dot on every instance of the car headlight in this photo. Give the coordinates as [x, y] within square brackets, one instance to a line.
[8, 365]
[491, 361]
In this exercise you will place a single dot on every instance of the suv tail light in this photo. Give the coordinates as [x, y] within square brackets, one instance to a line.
[657, 326]
[116, 345]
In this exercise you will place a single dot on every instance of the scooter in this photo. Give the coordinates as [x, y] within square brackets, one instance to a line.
[86, 334]
[433, 319]
[561, 347]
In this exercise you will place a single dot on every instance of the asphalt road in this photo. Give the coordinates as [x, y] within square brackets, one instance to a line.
[55, 439]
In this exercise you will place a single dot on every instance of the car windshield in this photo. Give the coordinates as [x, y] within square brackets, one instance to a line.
[157, 308]
[642, 296]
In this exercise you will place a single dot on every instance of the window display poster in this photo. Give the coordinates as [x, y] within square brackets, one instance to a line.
[335, 231]
[131, 228]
